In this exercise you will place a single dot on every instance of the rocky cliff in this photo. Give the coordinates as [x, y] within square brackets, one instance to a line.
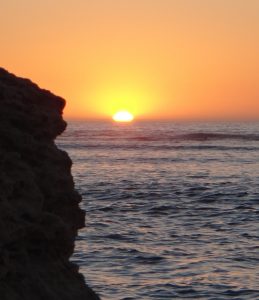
[39, 212]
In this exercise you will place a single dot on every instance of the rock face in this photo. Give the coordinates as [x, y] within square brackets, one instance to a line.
[39, 212]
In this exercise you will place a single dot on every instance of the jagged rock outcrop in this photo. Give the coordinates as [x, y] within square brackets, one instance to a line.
[39, 212]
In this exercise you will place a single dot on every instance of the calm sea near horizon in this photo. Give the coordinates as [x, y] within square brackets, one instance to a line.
[172, 209]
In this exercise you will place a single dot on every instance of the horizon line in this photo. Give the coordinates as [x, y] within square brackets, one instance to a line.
[177, 120]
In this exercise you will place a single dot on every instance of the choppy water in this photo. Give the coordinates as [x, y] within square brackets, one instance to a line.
[172, 209]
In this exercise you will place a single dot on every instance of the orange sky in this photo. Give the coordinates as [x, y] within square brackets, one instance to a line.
[172, 59]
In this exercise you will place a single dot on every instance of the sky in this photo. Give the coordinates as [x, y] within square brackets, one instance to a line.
[158, 59]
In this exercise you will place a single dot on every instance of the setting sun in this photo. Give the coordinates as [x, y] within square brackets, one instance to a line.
[123, 116]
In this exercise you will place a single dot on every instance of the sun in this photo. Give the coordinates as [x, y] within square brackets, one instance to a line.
[123, 116]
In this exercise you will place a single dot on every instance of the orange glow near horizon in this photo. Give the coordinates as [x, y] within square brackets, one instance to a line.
[167, 59]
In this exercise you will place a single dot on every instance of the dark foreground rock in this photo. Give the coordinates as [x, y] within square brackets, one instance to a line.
[39, 212]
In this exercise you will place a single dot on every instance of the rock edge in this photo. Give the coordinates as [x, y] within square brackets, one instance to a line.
[39, 211]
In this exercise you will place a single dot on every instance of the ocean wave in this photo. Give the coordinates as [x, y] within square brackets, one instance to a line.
[135, 147]
[163, 136]
[203, 136]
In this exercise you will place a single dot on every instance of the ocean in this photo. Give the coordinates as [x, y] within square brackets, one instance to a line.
[172, 209]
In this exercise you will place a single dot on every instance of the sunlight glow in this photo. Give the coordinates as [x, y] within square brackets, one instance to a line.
[123, 116]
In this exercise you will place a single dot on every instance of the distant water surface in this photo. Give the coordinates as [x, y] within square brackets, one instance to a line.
[172, 208]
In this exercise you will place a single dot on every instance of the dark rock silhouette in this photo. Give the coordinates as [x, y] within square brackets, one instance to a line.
[39, 212]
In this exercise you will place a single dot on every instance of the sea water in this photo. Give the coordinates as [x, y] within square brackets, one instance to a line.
[172, 209]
